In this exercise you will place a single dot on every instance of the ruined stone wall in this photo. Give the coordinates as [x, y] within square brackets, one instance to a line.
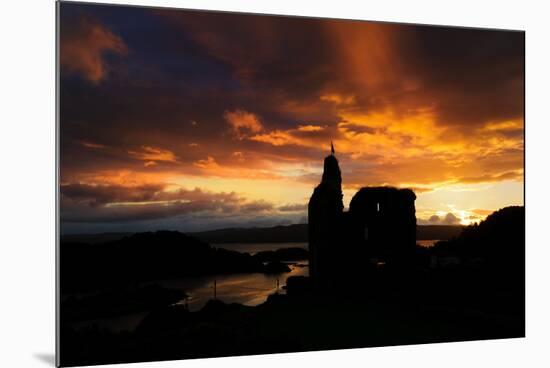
[386, 222]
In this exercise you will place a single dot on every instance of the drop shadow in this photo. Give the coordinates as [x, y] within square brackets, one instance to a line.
[46, 358]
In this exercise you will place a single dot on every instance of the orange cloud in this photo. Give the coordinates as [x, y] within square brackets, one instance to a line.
[303, 135]
[92, 145]
[151, 155]
[367, 50]
[208, 164]
[503, 126]
[276, 138]
[510, 175]
[310, 128]
[243, 122]
[338, 99]
[239, 155]
[83, 46]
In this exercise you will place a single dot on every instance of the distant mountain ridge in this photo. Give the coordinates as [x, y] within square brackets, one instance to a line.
[276, 234]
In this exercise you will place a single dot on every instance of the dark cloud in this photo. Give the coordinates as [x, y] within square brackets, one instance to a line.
[450, 219]
[256, 206]
[94, 195]
[434, 219]
[84, 43]
[119, 203]
[265, 53]
[294, 207]
[469, 76]
[133, 213]
[359, 129]
[99, 194]
[475, 75]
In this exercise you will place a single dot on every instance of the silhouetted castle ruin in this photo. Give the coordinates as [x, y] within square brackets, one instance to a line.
[379, 228]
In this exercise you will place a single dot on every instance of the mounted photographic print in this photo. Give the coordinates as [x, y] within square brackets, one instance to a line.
[237, 184]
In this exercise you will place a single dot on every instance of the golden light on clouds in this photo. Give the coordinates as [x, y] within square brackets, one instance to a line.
[243, 121]
[152, 155]
[244, 108]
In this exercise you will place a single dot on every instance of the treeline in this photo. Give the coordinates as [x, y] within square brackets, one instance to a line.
[497, 242]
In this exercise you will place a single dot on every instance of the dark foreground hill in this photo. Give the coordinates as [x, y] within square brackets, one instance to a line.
[498, 242]
[480, 296]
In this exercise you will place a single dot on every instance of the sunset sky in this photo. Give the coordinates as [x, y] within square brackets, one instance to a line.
[191, 120]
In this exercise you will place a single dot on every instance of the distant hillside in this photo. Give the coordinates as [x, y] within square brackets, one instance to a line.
[93, 238]
[277, 234]
[298, 233]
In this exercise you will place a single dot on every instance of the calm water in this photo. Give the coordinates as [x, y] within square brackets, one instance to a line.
[254, 248]
[258, 247]
[248, 289]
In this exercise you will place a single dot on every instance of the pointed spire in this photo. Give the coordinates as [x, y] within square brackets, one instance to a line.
[331, 148]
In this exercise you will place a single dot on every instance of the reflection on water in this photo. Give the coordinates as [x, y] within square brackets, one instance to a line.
[254, 248]
[248, 289]
[426, 243]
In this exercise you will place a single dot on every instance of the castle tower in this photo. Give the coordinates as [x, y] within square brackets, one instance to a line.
[325, 211]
